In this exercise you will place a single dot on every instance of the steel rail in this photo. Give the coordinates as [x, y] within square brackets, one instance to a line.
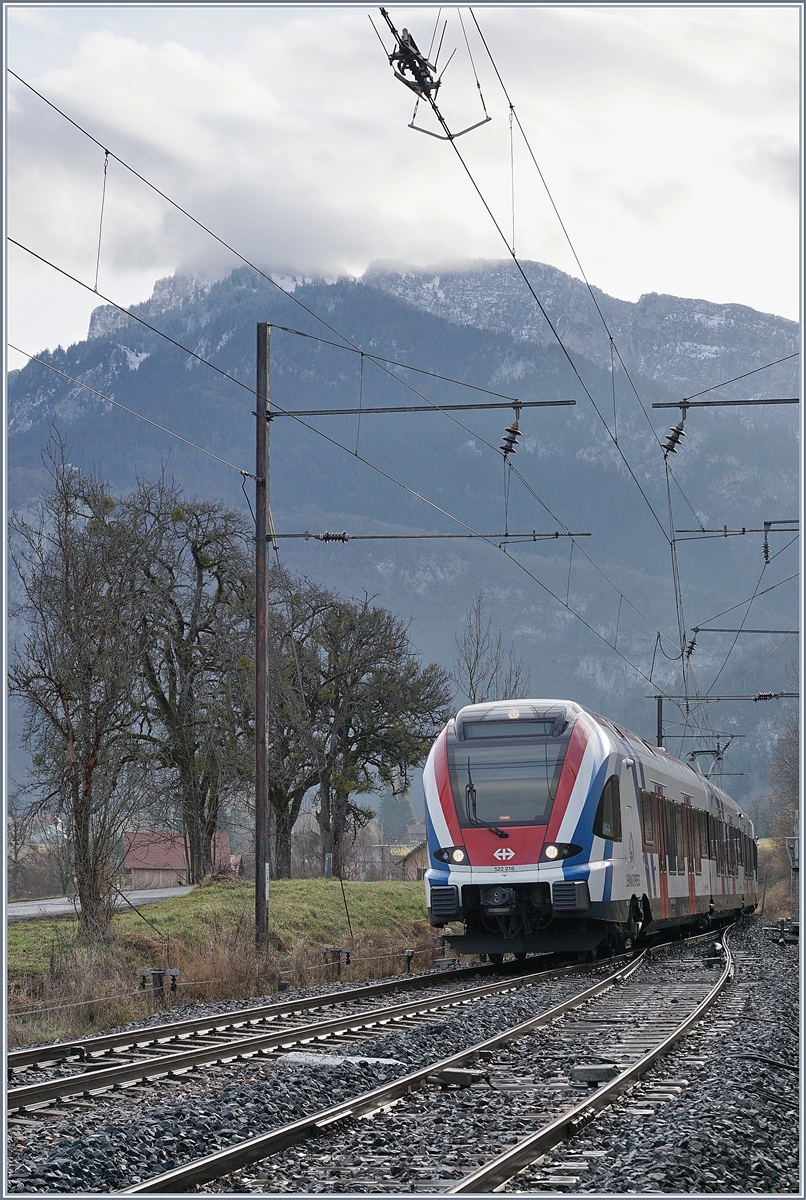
[489, 1177]
[148, 1036]
[213, 1166]
[164, 1059]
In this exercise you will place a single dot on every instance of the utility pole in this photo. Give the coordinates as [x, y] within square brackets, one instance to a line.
[261, 639]
[659, 741]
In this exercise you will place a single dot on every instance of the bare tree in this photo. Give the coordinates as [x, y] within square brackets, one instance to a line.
[19, 819]
[784, 771]
[76, 668]
[197, 657]
[482, 668]
[295, 751]
[380, 711]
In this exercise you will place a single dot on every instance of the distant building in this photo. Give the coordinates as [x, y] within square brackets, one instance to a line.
[154, 859]
[415, 834]
[414, 863]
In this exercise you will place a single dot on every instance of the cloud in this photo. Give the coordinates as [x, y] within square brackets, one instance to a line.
[654, 202]
[285, 132]
[31, 18]
[772, 162]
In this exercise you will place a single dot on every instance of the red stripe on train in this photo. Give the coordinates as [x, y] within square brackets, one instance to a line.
[444, 792]
[577, 744]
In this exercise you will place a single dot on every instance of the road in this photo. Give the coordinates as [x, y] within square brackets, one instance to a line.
[62, 906]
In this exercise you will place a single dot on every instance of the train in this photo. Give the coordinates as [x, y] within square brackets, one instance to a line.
[552, 829]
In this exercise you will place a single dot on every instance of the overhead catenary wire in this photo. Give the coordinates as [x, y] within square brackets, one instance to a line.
[221, 241]
[675, 569]
[772, 588]
[295, 299]
[101, 221]
[131, 411]
[316, 316]
[333, 441]
[277, 409]
[392, 362]
[513, 114]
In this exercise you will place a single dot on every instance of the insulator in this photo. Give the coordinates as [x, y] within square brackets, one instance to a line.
[675, 434]
[691, 647]
[509, 442]
[766, 550]
[334, 537]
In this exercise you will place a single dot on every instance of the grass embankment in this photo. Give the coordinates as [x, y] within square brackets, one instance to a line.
[74, 988]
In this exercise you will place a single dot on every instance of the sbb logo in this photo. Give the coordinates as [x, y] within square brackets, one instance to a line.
[504, 853]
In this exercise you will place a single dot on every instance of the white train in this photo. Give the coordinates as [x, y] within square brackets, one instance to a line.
[551, 828]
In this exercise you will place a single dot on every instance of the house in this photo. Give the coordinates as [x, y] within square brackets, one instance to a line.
[160, 859]
[413, 863]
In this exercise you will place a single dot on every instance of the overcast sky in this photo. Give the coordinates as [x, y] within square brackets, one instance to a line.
[668, 135]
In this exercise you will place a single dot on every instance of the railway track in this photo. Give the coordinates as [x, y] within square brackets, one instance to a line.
[473, 1121]
[90, 1068]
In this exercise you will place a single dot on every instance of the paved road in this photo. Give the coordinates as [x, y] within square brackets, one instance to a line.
[62, 906]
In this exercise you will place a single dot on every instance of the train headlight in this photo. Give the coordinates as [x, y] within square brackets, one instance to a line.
[451, 854]
[553, 851]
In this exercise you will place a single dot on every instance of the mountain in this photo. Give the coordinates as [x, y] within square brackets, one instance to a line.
[736, 467]
[686, 345]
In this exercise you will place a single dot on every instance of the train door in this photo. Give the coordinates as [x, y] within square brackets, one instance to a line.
[663, 842]
[690, 844]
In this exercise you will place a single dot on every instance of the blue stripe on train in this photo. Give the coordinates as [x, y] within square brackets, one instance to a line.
[433, 844]
[583, 834]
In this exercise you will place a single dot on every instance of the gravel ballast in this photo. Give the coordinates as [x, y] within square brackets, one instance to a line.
[139, 1132]
[702, 1121]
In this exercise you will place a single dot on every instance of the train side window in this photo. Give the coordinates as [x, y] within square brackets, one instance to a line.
[755, 857]
[607, 822]
[680, 831]
[740, 848]
[713, 838]
[648, 821]
[702, 829]
[672, 849]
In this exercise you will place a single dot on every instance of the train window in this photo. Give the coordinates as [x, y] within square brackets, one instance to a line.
[672, 849]
[704, 835]
[513, 779]
[713, 838]
[755, 857]
[522, 728]
[740, 848]
[607, 822]
[648, 821]
[658, 788]
[682, 848]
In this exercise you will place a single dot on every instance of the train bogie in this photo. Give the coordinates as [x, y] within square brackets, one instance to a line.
[552, 829]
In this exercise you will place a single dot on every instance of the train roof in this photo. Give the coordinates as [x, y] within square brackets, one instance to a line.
[563, 712]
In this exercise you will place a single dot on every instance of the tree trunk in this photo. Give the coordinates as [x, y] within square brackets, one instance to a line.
[283, 826]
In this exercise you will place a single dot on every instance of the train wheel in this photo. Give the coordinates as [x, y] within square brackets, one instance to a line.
[496, 959]
[520, 957]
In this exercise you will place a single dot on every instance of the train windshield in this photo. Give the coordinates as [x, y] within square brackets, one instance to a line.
[506, 781]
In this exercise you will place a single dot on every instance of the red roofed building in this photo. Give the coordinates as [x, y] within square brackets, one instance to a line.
[161, 860]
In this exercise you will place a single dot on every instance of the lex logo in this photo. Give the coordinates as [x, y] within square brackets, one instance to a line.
[504, 853]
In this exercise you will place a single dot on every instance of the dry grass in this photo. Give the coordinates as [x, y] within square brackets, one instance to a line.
[64, 988]
[774, 871]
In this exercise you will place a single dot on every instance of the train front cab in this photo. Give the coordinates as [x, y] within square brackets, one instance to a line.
[693, 865]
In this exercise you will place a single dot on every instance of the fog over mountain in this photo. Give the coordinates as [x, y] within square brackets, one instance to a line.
[477, 323]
